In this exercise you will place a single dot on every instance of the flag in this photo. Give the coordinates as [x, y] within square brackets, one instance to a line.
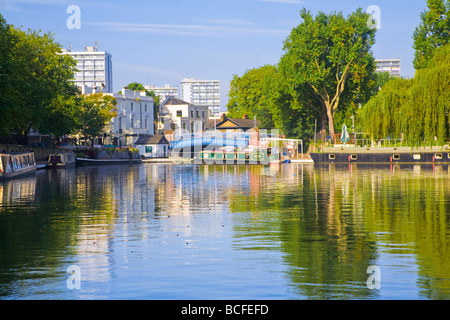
[344, 136]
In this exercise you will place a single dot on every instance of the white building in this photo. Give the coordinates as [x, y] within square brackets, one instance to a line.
[163, 92]
[202, 93]
[135, 117]
[155, 146]
[94, 68]
[389, 65]
[176, 114]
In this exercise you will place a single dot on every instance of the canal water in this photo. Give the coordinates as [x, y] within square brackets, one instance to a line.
[168, 231]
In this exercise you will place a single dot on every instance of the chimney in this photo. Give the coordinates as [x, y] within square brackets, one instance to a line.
[223, 117]
[245, 116]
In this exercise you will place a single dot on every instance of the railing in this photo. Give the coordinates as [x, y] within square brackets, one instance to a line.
[384, 143]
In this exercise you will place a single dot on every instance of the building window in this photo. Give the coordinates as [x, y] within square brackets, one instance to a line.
[192, 113]
[203, 114]
[179, 113]
[145, 108]
[132, 123]
[132, 106]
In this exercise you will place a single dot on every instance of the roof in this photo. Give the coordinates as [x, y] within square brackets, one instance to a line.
[172, 101]
[239, 123]
[155, 139]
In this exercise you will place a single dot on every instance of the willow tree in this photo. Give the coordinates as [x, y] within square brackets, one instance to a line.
[417, 109]
[429, 107]
[383, 115]
[328, 61]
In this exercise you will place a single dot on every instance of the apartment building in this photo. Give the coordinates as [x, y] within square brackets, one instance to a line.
[163, 92]
[389, 65]
[94, 68]
[202, 93]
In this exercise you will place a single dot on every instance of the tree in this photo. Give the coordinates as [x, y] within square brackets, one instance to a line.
[416, 108]
[96, 110]
[7, 92]
[328, 63]
[381, 78]
[136, 86]
[251, 95]
[34, 79]
[40, 76]
[428, 115]
[382, 116]
[433, 32]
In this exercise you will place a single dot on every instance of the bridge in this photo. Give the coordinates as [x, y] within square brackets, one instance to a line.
[240, 140]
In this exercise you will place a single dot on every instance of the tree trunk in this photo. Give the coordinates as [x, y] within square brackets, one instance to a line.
[330, 121]
[323, 129]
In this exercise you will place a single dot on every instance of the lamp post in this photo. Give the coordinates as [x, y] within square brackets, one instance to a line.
[353, 129]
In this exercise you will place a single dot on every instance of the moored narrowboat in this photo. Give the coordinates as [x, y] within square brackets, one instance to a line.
[257, 157]
[61, 160]
[382, 156]
[16, 164]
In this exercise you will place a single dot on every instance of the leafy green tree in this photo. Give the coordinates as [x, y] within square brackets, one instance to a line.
[430, 100]
[40, 76]
[382, 115]
[417, 109]
[7, 90]
[95, 111]
[433, 31]
[381, 78]
[252, 95]
[328, 63]
[34, 79]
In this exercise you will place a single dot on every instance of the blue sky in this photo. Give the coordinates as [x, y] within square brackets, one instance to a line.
[160, 42]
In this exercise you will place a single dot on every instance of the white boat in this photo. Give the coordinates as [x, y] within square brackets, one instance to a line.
[16, 164]
[61, 160]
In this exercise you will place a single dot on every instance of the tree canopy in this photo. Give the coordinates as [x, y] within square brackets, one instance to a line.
[95, 112]
[433, 32]
[328, 62]
[34, 82]
[416, 108]
[136, 86]
[326, 71]
[252, 93]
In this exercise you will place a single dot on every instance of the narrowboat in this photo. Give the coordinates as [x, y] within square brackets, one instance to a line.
[383, 156]
[258, 157]
[16, 164]
[61, 160]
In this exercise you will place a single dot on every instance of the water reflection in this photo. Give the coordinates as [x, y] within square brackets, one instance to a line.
[293, 231]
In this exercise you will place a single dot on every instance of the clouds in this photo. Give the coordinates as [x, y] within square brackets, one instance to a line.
[283, 1]
[215, 28]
